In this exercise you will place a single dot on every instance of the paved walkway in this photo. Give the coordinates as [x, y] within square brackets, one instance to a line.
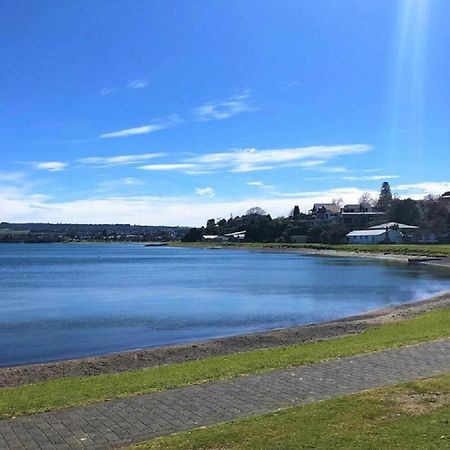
[119, 422]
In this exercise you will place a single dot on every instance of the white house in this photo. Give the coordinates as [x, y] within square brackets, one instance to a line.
[374, 236]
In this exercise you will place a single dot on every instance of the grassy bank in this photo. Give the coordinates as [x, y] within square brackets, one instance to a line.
[67, 392]
[438, 250]
[410, 416]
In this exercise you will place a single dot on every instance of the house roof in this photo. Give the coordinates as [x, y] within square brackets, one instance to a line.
[236, 233]
[366, 233]
[329, 206]
[401, 226]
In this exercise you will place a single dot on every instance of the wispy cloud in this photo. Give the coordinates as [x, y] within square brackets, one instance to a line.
[229, 107]
[105, 161]
[259, 184]
[51, 166]
[139, 83]
[205, 192]
[370, 177]
[107, 91]
[167, 167]
[423, 188]
[144, 129]
[251, 159]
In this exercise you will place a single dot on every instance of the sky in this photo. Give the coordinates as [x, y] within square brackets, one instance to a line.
[172, 112]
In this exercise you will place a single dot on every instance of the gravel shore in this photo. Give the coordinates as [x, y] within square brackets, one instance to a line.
[120, 362]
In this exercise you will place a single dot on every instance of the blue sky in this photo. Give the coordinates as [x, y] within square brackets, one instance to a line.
[171, 112]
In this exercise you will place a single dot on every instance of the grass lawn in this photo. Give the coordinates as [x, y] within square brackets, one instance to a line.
[409, 416]
[74, 391]
[397, 249]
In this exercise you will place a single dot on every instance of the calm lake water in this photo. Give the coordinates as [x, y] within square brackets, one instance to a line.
[63, 301]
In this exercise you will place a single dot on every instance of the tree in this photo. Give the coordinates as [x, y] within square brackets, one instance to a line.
[385, 198]
[366, 198]
[256, 210]
[295, 214]
[193, 235]
[337, 202]
[404, 211]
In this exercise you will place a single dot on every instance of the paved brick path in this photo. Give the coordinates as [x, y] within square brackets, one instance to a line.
[119, 422]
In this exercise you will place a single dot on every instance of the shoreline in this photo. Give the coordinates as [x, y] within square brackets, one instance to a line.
[383, 256]
[198, 350]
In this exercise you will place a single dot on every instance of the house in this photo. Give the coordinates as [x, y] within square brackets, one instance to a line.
[411, 234]
[445, 197]
[236, 236]
[359, 215]
[358, 207]
[374, 236]
[211, 237]
[325, 212]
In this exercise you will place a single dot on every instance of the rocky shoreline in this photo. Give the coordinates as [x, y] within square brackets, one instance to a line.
[152, 357]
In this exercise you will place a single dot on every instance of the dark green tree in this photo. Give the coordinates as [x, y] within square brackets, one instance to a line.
[385, 198]
[404, 211]
[193, 235]
[296, 212]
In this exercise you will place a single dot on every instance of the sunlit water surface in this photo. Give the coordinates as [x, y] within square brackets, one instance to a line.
[64, 301]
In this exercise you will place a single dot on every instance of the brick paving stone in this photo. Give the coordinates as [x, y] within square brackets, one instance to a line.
[120, 422]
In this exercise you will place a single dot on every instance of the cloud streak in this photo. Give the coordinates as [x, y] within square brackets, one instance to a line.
[158, 125]
[205, 192]
[219, 110]
[251, 159]
[106, 161]
[144, 129]
[167, 167]
[51, 166]
[139, 83]
[370, 177]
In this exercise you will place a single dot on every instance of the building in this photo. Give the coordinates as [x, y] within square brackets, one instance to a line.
[394, 225]
[325, 212]
[359, 215]
[237, 236]
[445, 197]
[374, 236]
[358, 207]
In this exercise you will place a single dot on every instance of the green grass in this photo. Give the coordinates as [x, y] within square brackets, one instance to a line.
[67, 392]
[438, 250]
[409, 416]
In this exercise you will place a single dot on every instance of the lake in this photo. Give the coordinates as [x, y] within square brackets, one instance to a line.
[61, 301]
